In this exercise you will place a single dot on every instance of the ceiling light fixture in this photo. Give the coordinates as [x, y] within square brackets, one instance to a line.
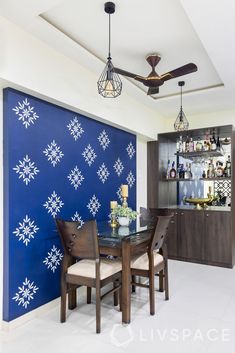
[181, 122]
[109, 83]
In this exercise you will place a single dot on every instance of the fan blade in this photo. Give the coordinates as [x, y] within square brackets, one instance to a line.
[180, 71]
[129, 74]
[153, 90]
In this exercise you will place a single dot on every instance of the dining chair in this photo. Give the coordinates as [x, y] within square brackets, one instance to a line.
[149, 215]
[82, 266]
[154, 262]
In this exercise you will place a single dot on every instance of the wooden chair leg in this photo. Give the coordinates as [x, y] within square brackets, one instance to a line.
[161, 281]
[88, 295]
[133, 287]
[120, 298]
[115, 294]
[151, 294]
[63, 302]
[72, 296]
[98, 302]
[166, 281]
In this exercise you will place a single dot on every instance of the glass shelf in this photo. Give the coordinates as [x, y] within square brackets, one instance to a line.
[203, 179]
[215, 178]
[200, 154]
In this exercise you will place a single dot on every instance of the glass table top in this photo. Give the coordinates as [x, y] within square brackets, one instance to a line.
[109, 235]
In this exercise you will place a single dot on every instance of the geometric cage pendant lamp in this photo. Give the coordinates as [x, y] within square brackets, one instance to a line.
[109, 83]
[181, 122]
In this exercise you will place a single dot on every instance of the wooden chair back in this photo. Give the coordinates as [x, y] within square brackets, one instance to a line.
[149, 216]
[160, 232]
[79, 242]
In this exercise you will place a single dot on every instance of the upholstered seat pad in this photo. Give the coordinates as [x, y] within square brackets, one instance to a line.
[142, 262]
[86, 268]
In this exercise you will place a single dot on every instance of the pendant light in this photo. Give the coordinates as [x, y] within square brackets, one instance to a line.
[109, 83]
[181, 122]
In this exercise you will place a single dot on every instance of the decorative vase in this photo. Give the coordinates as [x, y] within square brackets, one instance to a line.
[124, 221]
[123, 230]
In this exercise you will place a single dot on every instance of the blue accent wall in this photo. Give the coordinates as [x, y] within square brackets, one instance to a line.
[57, 163]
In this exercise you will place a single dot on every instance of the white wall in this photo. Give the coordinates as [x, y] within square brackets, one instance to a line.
[1, 203]
[29, 64]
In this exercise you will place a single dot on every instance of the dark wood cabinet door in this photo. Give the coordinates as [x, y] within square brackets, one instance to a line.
[218, 237]
[191, 235]
[172, 242]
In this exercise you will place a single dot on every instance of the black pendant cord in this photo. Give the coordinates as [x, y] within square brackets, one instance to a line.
[109, 55]
[181, 109]
[181, 97]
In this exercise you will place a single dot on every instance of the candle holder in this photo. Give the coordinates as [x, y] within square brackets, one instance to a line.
[113, 220]
[124, 202]
[124, 194]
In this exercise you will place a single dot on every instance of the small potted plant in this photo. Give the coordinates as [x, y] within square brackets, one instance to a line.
[124, 215]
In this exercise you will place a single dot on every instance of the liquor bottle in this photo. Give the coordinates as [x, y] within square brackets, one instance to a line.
[210, 171]
[180, 144]
[173, 171]
[187, 144]
[228, 167]
[213, 143]
[191, 145]
[181, 171]
[218, 144]
[204, 174]
[190, 171]
[183, 146]
[219, 169]
[168, 169]
[207, 144]
[198, 145]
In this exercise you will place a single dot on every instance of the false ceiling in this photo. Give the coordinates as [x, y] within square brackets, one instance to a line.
[181, 31]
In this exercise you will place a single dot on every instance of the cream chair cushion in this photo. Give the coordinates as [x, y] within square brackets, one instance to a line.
[142, 262]
[86, 268]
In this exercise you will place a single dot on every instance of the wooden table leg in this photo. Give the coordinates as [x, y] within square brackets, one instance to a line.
[126, 283]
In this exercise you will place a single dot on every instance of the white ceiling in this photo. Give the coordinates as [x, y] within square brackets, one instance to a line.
[181, 31]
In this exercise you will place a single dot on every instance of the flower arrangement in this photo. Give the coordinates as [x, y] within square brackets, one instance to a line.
[127, 212]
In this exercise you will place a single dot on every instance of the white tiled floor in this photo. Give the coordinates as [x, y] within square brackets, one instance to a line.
[199, 317]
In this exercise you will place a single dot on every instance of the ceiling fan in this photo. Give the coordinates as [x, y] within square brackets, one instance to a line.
[153, 80]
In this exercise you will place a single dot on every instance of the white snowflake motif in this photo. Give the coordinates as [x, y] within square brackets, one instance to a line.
[89, 155]
[104, 140]
[119, 193]
[25, 113]
[75, 128]
[26, 170]
[26, 230]
[53, 153]
[75, 177]
[53, 259]
[26, 293]
[93, 205]
[130, 150]
[103, 173]
[130, 179]
[53, 204]
[76, 217]
[118, 166]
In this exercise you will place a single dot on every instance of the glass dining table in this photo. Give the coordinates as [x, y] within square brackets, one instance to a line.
[124, 242]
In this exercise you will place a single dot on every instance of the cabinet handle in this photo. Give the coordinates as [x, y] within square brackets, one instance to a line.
[172, 222]
[182, 213]
[176, 213]
[207, 215]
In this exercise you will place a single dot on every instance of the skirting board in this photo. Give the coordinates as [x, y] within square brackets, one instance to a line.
[8, 326]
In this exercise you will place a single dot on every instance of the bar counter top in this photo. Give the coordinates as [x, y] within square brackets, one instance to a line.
[192, 207]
